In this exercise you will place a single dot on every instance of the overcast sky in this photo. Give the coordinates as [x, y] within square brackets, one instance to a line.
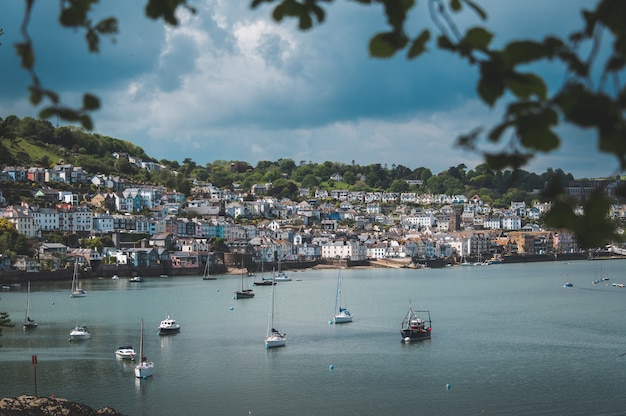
[231, 84]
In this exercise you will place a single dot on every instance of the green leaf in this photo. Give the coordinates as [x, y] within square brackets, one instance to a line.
[478, 38]
[418, 45]
[496, 132]
[524, 51]
[86, 121]
[385, 45]
[490, 89]
[538, 137]
[443, 42]
[526, 85]
[25, 52]
[36, 95]
[499, 161]
[90, 102]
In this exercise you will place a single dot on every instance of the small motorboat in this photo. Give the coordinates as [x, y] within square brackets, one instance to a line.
[568, 284]
[136, 279]
[115, 277]
[79, 333]
[168, 326]
[125, 352]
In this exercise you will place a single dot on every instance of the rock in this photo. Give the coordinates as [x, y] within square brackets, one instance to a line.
[49, 406]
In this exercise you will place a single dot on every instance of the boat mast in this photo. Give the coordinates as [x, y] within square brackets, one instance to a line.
[27, 303]
[141, 357]
[338, 290]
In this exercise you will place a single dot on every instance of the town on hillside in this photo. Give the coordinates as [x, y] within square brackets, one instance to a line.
[108, 225]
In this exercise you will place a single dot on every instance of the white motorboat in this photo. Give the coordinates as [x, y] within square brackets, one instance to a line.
[136, 279]
[145, 368]
[168, 326]
[79, 333]
[342, 315]
[125, 352]
[115, 277]
[273, 337]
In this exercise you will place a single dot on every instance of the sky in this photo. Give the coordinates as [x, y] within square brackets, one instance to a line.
[229, 83]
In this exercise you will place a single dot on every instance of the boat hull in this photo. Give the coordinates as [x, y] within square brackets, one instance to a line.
[244, 294]
[144, 370]
[78, 294]
[274, 342]
[169, 331]
[415, 335]
[29, 325]
[342, 319]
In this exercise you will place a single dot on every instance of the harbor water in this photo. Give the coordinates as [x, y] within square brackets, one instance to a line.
[507, 339]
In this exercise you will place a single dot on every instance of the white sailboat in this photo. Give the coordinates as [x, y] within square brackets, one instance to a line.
[206, 275]
[341, 315]
[28, 323]
[273, 337]
[281, 276]
[76, 291]
[145, 368]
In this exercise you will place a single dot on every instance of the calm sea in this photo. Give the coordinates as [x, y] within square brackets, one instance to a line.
[507, 340]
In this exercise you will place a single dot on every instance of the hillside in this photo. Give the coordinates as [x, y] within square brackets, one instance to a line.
[28, 142]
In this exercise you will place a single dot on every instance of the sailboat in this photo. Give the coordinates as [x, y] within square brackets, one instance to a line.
[273, 337]
[145, 368]
[264, 281]
[281, 276]
[206, 275]
[76, 291]
[341, 315]
[28, 323]
[243, 293]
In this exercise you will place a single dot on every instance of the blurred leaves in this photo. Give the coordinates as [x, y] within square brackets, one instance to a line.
[532, 113]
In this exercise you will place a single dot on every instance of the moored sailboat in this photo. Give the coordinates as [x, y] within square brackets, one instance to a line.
[273, 337]
[206, 275]
[28, 323]
[341, 315]
[76, 291]
[145, 368]
[243, 293]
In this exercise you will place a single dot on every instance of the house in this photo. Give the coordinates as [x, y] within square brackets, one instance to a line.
[26, 264]
[22, 219]
[56, 249]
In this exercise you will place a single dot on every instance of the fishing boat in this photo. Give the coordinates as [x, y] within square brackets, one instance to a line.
[341, 315]
[76, 291]
[206, 275]
[416, 325]
[273, 337]
[243, 293]
[28, 323]
[79, 333]
[168, 326]
[281, 276]
[125, 352]
[145, 368]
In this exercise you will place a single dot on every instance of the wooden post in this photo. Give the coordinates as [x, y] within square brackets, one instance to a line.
[34, 363]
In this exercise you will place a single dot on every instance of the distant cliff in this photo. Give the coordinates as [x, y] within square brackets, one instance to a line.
[49, 406]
